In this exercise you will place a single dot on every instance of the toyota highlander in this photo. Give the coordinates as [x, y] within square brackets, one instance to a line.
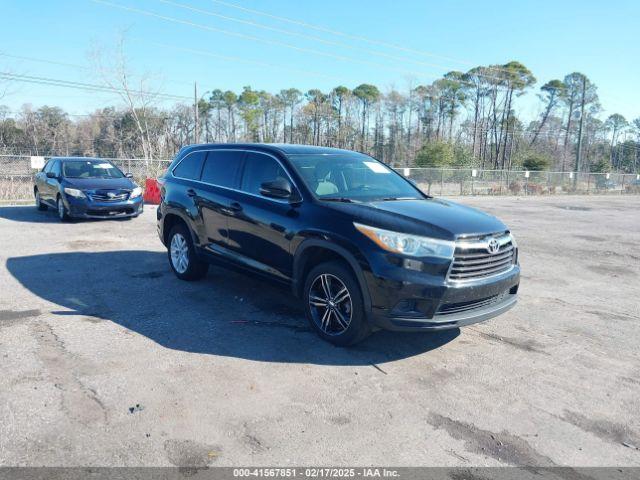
[359, 244]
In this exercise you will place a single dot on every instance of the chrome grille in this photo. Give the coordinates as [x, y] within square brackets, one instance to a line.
[473, 260]
[109, 195]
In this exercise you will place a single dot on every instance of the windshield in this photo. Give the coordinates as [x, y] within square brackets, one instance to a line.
[90, 169]
[355, 177]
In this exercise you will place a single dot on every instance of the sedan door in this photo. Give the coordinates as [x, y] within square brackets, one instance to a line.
[52, 185]
[41, 180]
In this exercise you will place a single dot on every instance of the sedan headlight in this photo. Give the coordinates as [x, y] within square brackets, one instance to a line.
[74, 192]
[136, 192]
[411, 245]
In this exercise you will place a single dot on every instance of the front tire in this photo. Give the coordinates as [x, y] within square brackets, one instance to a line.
[63, 215]
[39, 205]
[183, 258]
[334, 304]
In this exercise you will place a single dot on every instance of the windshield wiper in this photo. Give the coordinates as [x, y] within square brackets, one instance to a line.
[338, 199]
[391, 199]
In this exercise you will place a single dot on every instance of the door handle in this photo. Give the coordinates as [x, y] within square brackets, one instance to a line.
[235, 207]
[191, 193]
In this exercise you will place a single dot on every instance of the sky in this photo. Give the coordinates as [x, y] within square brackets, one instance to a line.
[279, 44]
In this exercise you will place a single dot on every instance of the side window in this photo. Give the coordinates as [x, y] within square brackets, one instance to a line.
[56, 168]
[221, 167]
[260, 168]
[190, 166]
[47, 167]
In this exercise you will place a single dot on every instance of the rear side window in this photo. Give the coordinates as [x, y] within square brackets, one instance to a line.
[190, 166]
[221, 168]
[260, 168]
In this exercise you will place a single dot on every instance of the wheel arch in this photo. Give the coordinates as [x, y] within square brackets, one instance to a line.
[170, 220]
[312, 252]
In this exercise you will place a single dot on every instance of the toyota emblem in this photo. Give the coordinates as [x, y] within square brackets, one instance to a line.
[493, 246]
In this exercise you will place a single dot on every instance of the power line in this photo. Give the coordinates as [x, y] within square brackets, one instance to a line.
[241, 60]
[197, 52]
[80, 85]
[258, 39]
[349, 35]
[298, 34]
[63, 64]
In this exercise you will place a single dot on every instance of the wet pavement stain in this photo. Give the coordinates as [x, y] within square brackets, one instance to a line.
[190, 456]
[148, 275]
[13, 315]
[504, 446]
[575, 208]
[525, 345]
[612, 270]
[603, 429]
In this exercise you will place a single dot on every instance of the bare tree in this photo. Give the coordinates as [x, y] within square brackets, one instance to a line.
[138, 95]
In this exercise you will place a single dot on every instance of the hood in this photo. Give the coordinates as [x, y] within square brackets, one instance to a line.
[432, 217]
[100, 183]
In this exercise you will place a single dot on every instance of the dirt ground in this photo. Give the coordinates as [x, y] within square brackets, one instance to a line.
[107, 359]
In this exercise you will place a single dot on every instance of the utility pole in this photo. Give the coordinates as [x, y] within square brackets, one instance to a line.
[579, 152]
[195, 112]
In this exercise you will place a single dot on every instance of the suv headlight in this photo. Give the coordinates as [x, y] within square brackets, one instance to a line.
[74, 192]
[136, 192]
[411, 245]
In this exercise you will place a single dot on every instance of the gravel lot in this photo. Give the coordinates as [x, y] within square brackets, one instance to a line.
[108, 359]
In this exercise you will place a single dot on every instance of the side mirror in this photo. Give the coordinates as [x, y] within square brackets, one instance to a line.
[278, 188]
[51, 175]
[128, 175]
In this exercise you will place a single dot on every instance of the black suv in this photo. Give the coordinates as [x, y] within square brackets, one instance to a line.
[359, 244]
[79, 187]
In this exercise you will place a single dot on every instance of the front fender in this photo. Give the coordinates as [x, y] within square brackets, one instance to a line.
[341, 247]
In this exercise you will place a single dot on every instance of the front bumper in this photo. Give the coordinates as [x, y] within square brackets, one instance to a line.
[85, 208]
[406, 300]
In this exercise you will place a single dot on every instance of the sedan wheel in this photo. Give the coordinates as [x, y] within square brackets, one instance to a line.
[179, 253]
[62, 210]
[330, 304]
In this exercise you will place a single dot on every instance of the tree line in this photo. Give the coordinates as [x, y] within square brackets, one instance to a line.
[464, 119]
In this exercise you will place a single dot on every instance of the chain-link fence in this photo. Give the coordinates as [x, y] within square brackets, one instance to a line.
[16, 179]
[449, 182]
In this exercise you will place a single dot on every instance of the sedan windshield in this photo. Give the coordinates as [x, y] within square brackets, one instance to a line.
[90, 169]
[352, 178]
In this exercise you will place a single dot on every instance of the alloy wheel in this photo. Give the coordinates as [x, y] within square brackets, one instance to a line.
[61, 212]
[330, 304]
[179, 253]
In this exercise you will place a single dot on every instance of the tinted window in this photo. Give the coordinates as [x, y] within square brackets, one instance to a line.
[258, 169]
[221, 168]
[56, 168]
[190, 166]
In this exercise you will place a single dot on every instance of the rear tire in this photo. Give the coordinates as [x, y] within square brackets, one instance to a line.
[334, 305]
[39, 205]
[183, 258]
